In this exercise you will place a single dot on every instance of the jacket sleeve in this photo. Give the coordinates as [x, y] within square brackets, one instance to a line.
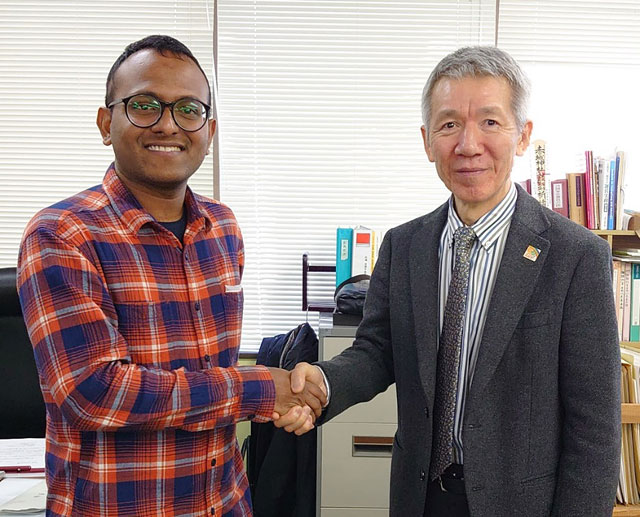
[590, 391]
[85, 366]
[366, 368]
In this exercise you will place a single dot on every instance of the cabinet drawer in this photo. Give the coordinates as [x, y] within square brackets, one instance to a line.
[355, 475]
[381, 409]
[354, 512]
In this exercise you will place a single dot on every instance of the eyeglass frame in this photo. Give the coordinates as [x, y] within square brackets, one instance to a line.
[164, 105]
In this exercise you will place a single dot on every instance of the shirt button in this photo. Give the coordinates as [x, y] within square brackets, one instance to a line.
[186, 256]
[197, 306]
[426, 411]
[213, 462]
[251, 416]
[422, 475]
[207, 357]
[213, 511]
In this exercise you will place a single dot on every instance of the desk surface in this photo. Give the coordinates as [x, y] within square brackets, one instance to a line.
[13, 486]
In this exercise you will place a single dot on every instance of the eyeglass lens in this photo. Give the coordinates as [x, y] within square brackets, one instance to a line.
[146, 110]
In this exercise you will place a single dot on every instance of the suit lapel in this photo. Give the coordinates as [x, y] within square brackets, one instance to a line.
[514, 285]
[424, 269]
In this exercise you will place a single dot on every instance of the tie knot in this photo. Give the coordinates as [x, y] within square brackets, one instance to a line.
[464, 238]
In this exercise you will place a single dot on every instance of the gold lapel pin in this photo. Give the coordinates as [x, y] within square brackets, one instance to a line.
[532, 253]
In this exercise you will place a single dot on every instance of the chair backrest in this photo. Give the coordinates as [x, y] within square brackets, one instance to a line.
[22, 410]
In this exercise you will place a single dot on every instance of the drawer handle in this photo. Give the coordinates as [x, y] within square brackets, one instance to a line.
[372, 446]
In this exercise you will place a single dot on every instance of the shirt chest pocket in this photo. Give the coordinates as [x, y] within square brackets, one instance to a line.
[158, 333]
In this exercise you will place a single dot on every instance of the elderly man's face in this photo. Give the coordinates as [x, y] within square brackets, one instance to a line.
[472, 138]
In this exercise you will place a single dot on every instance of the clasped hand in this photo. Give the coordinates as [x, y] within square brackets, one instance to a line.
[300, 397]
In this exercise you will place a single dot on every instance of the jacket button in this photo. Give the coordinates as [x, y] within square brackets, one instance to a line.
[426, 411]
[477, 488]
[422, 475]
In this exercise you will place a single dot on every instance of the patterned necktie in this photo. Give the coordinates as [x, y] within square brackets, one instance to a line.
[449, 355]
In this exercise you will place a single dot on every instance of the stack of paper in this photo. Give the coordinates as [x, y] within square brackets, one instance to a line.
[22, 457]
[31, 501]
[629, 483]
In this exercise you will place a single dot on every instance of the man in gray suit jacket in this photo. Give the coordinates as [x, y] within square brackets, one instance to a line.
[520, 413]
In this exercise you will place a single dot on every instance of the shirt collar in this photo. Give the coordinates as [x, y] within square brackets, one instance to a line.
[491, 225]
[133, 215]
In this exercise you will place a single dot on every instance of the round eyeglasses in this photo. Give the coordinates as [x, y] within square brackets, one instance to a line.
[144, 110]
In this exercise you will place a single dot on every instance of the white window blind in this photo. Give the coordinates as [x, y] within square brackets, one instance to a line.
[319, 117]
[54, 61]
[583, 58]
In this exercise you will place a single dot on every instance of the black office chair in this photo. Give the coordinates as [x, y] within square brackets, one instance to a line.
[22, 411]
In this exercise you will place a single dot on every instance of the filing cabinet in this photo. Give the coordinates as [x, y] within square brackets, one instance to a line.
[354, 449]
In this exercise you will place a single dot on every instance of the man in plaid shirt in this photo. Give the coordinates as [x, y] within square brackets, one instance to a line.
[131, 294]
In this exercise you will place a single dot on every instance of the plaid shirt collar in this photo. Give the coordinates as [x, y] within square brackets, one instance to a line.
[134, 216]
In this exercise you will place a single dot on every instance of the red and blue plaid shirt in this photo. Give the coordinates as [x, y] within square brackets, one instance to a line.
[136, 340]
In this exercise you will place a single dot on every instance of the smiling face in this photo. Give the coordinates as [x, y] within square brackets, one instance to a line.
[473, 138]
[161, 158]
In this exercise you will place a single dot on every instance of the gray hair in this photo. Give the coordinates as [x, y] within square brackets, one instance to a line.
[480, 62]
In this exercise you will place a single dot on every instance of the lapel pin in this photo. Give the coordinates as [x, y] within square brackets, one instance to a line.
[532, 253]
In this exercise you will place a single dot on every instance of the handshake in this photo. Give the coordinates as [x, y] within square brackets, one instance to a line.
[300, 396]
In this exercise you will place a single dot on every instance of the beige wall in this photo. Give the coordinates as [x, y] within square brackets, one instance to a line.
[243, 429]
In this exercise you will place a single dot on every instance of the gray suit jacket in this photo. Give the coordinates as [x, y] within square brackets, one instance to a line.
[542, 420]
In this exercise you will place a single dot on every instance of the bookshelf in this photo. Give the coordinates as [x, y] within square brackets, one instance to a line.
[630, 412]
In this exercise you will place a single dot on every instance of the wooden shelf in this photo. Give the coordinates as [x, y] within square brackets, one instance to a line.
[631, 413]
[626, 511]
[620, 238]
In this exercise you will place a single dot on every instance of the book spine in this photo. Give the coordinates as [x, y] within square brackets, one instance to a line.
[605, 175]
[611, 211]
[526, 184]
[575, 187]
[617, 274]
[560, 197]
[626, 308]
[588, 187]
[596, 192]
[620, 164]
[344, 244]
[361, 255]
[634, 327]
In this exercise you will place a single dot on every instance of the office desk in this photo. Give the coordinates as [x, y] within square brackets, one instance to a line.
[11, 487]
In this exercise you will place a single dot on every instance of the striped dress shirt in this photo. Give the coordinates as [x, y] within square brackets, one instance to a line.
[136, 339]
[491, 231]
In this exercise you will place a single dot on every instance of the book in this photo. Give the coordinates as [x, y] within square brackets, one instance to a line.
[525, 184]
[613, 178]
[361, 256]
[575, 188]
[620, 171]
[604, 173]
[588, 187]
[632, 220]
[560, 197]
[626, 299]
[615, 281]
[634, 313]
[344, 244]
